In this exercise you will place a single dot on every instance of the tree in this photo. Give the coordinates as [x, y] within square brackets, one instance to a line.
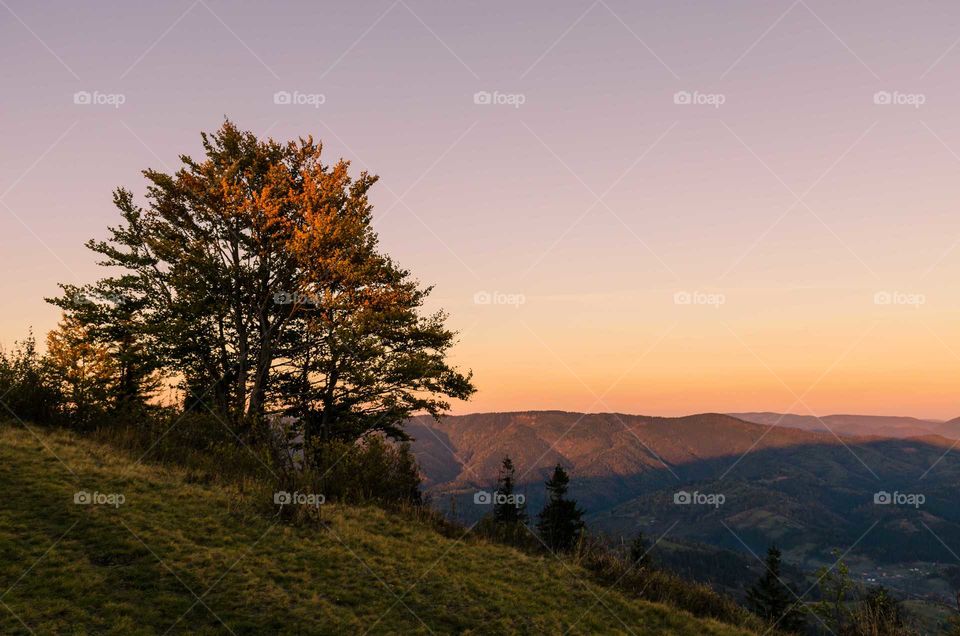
[28, 389]
[506, 509]
[84, 371]
[640, 552]
[111, 321]
[254, 274]
[772, 600]
[560, 522]
[835, 586]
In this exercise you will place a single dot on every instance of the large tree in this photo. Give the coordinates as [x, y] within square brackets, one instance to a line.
[254, 275]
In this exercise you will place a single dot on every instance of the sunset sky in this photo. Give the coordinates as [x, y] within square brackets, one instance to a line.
[787, 241]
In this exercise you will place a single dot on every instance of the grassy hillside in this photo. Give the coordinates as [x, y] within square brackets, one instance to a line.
[182, 556]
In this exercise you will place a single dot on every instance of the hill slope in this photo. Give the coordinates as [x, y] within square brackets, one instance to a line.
[184, 557]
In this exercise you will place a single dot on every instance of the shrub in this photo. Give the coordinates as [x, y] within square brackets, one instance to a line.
[617, 570]
[27, 389]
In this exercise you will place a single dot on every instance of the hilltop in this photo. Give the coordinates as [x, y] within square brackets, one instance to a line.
[181, 555]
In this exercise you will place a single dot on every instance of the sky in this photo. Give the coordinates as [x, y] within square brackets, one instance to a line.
[657, 208]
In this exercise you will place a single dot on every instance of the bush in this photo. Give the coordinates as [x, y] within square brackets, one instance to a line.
[370, 470]
[199, 442]
[642, 581]
[518, 535]
[878, 614]
[27, 389]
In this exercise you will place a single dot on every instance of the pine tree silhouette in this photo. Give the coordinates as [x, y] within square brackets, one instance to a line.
[771, 599]
[640, 552]
[505, 509]
[561, 520]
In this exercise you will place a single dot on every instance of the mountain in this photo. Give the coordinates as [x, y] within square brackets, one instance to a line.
[885, 426]
[950, 428]
[181, 555]
[806, 490]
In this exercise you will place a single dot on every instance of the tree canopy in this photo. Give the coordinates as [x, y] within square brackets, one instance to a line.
[254, 275]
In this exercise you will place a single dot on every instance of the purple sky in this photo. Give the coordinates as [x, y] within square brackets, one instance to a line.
[785, 203]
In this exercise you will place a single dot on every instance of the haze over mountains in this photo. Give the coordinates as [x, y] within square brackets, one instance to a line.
[883, 425]
[800, 485]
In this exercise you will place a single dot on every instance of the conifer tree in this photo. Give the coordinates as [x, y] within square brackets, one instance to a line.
[640, 552]
[561, 520]
[772, 600]
[506, 509]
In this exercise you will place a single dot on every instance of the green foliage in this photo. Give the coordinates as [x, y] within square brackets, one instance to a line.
[28, 390]
[772, 600]
[561, 521]
[874, 613]
[254, 274]
[112, 322]
[370, 470]
[877, 614]
[617, 570]
[639, 554]
[835, 589]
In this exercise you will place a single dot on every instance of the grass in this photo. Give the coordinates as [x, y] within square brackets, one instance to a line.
[183, 557]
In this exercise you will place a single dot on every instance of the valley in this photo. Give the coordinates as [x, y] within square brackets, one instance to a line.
[719, 490]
